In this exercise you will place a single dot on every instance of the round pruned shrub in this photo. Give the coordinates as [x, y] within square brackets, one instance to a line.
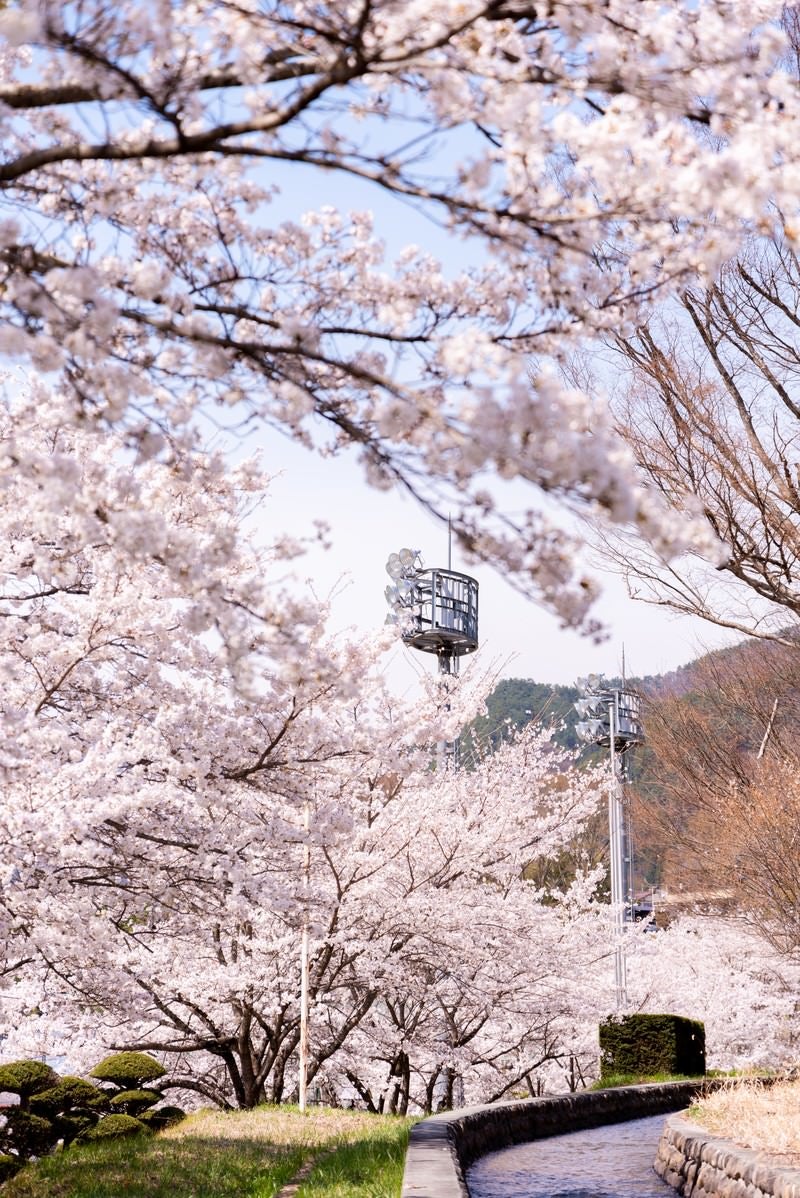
[26, 1078]
[26, 1134]
[128, 1070]
[73, 1124]
[132, 1102]
[161, 1117]
[113, 1127]
[66, 1095]
[70, 1109]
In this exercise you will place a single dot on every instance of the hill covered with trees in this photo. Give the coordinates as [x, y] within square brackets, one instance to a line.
[714, 801]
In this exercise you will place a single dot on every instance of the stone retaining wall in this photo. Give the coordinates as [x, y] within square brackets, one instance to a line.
[442, 1148]
[697, 1165]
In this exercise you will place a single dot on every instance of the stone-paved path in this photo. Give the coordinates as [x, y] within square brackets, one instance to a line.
[605, 1162]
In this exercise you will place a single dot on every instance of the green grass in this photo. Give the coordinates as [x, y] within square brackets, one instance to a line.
[150, 1169]
[639, 1079]
[370, 1168]
[243, 1154]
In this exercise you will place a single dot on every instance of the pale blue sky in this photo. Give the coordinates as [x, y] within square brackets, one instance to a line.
[367, 525]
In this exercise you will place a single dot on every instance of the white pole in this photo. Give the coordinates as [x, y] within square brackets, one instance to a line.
[615, 834]
[304, 966]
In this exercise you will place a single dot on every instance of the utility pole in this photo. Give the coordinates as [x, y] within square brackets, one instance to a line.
[611, 719]
[304, 955]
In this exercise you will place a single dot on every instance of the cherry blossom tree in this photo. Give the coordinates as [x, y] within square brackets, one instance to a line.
[181, 735]
[118, 706]
[172, 715]
[191, 904]
[581, 158]
[721, 971]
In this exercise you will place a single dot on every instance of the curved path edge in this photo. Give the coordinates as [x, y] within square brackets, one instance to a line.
[696, 1164]
[441, 1148]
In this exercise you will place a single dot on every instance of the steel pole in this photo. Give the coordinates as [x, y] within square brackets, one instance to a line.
[303, 1046]
[447, 749]
[615, 837]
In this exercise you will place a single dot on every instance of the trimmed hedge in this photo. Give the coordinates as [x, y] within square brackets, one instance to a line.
[647, 1045]
[28, 1134]
[164, 1116]
[9, 1165]
[72, 1125]
[69, 1092]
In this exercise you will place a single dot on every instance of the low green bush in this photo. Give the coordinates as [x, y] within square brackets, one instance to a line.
[9, 1165]
[55, 1109]
[164, 1116]
[26, 1078]
[131, 1102]
[72, 1125]
[27, 1135]
[128, 1070]
[68, 1093]
[112, 1127]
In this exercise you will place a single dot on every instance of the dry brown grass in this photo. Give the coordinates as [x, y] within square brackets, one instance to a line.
[765, 1118]
[280, 1127]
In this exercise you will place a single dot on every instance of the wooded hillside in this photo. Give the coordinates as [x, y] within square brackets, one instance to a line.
[713, 800]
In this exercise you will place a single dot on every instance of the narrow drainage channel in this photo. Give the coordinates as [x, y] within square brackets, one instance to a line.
[615, 1161]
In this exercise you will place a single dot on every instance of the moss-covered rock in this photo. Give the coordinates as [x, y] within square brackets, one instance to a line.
[128, 1070]
[26, 1078]
[112, 1128]
[132, 1102]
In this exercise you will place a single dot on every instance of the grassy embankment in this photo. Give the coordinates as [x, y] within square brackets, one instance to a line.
[243, 1154]
[611, 1080]
[766, 1118]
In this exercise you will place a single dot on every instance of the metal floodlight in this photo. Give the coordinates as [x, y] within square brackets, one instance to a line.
[394, 567]
[592, 730]
[604, 706]
[439, 607]
[403, 595]
[589, 685]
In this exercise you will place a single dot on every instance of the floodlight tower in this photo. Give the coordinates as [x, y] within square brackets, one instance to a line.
[436, 610]
[612, 720]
